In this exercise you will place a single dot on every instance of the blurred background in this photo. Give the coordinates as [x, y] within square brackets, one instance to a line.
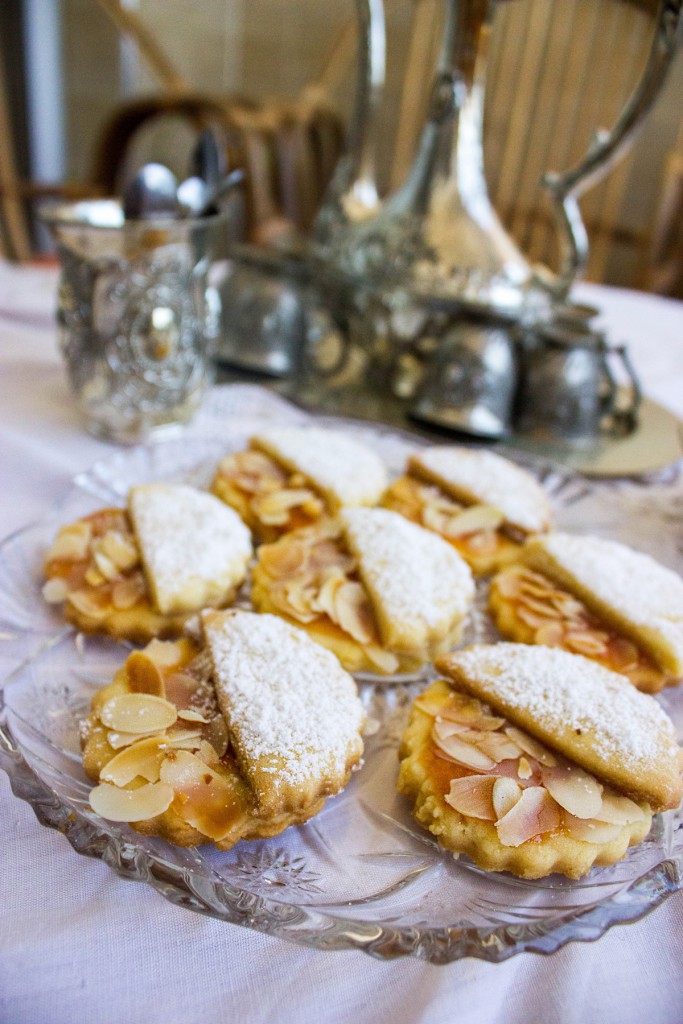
[90, 89]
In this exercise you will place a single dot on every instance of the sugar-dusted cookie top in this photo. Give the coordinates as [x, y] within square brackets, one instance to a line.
[628, 587]
[591, 715]
[194, 548]
[343, 470]
[293, 713]
[485, 478]
[417, 582]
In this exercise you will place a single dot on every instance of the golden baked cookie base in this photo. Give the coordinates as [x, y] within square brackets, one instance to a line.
[241, 821]
[425, 779]
[485, 551]
[534, 617]
[258, 489]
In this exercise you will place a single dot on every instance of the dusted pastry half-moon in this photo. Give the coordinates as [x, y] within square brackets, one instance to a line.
[598, 598]
[140, 572]
[291, 477]
[482, 504]
[533, 760]
[237, 736]
[385, 595]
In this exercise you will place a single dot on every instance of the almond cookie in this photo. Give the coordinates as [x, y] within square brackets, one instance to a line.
[533, 760]
[235, 737]
[385, 595]
[598, 598]
[291, 477]
[140, 572]
[482, 504]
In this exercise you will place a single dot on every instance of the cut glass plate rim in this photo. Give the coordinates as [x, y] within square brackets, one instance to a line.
[186, 884]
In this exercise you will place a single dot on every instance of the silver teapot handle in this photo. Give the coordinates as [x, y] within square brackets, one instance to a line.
[607, 148]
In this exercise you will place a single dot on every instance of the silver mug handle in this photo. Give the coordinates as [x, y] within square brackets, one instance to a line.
[607, 147]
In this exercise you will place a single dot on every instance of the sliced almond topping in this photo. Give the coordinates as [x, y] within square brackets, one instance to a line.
[166, 653]
[207, 753]
[353, 612]
[550, 635]
[105, 565]
[618, 810]
[585, 642]
[131, 804]
[532, 618]
[574, 789]
[534, 813]
[118, 740]
[385, 661]
[591, 831]
[138, 713]
[192, 716]
[324, 599]
[434, 519]
[93, 577]
[207, 800]
[127, 592]
[71, 544]
[55, 590]
[508, 584]
[542, 608]
[185, 737]
[474, 519]
[284, 560]
[473, 796]
[506, 793]
[328, 553]
[442, 729]
[524, 769]
[273, 509]
[497, 746]
[144, 675]
[299, 595]
[180, 688]
[531, 746]
[568, 606]
[121, 550]
[622, 654]
[87, 604]
[142, 759]
[456, 749]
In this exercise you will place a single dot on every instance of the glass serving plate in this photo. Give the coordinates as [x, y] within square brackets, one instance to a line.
[361, 874]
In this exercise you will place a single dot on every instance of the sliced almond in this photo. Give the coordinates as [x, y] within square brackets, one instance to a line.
[144, 675]
[531, 746]
[497, 746]
[299, 596]
[142, 759]
[567, 605]
[622, 654]
[353, 612]
[435, 520]
[71, 544]
[524, 769]
[166, 653]
[385, 661]
[55, 590]
[207, 800]
[534, 814]
[590, 831]
[207, 753]
[127, 592]
[185, 737]
[328, 553]
[324, 599]
[180, 689]
[474, 520]
[192, 716]
[284, 560]
[131, 804]
[473, 796]
[508, 584]
[506, 793]
[105, 565]
[550, 635]
[585, 642]
[542, 608]
[618, 810]
[122, 551]
[574, 789]
[138, 713]
[532, 618]
[456, 749]
[93, 577]
[87, 604]
[119, 740]
[442, 729]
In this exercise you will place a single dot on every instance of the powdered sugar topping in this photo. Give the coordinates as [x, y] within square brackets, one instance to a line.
[194, 548]
[490, 480]
[411, 572]
[285, 698]
[334, 463]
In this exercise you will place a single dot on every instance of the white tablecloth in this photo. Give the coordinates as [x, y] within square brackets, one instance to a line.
[79, 944]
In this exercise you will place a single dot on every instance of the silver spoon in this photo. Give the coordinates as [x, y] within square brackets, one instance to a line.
[151, 193]
[208, 159]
